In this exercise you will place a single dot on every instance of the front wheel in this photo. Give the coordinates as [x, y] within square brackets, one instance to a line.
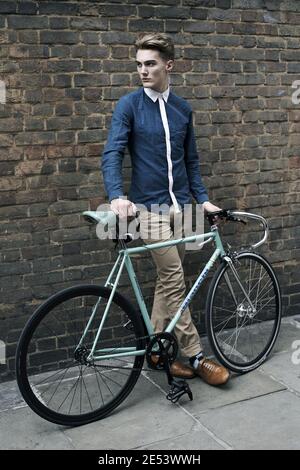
[55, 374]
[243, 312]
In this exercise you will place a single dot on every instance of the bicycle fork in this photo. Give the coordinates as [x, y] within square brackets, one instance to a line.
[240, 309]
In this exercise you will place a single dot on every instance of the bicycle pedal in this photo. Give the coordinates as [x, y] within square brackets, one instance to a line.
[178, 389]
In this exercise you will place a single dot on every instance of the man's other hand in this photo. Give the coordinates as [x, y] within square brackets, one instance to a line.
[209, 207]
[123, 208]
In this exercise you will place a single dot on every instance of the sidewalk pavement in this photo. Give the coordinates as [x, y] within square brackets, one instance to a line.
[259, 410]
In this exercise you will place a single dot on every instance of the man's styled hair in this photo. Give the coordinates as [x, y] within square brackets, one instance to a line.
[159, 41]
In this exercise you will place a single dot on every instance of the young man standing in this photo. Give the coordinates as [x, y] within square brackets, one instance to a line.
[157, 126]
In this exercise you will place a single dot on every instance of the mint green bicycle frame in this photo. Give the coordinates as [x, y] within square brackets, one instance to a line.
[124, 260]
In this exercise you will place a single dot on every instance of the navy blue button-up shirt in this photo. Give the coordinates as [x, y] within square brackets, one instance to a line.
[137, 122]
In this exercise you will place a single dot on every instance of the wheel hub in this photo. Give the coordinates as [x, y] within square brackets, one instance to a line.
[245, 310]
[81, 355]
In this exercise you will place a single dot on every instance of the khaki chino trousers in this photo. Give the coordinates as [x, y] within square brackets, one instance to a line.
[170, 289]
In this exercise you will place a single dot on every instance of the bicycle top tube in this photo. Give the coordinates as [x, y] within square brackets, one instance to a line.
[177, 241]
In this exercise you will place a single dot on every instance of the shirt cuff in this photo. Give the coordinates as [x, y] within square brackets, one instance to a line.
[116, 196]
[202, 199]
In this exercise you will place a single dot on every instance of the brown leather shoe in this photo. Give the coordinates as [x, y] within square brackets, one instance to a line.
[178, 369]
[212, 373]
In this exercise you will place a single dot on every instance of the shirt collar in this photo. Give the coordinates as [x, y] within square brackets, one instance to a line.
[153, 94]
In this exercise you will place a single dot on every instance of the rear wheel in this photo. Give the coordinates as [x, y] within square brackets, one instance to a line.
[54, 374]
[242, 329]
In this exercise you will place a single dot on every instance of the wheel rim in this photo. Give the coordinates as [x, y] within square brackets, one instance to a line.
[59, 380]
[244, 332]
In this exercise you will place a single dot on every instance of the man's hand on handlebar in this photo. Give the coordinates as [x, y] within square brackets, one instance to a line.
[123, 208]
[209, 207]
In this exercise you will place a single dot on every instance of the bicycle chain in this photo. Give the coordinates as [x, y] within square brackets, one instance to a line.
[126, 368]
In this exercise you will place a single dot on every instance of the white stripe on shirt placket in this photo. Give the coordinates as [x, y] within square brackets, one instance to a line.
[168, 145]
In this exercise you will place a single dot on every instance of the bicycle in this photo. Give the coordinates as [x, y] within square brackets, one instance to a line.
[82, 351]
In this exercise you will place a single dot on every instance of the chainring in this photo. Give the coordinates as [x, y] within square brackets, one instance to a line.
[158, 344]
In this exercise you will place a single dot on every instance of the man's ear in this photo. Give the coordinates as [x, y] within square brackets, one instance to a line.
[170, 65]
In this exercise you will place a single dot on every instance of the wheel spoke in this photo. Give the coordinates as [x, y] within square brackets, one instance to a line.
[241, 335]
[60, 375]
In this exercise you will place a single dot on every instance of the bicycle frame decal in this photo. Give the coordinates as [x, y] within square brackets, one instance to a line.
[193, 290]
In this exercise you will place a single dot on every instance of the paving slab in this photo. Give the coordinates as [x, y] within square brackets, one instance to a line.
[10, 397]
[23, 429]
[257, 410]
[238, 388]
[267, 422]
[288, 333]
[144, 419]
[196, 439]
[282, 369]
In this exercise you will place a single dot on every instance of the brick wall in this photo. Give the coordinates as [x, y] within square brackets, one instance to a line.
[65, 64]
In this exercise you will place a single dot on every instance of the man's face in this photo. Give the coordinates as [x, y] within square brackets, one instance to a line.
[152, 69]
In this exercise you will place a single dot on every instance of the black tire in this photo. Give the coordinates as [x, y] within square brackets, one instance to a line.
[228, 320]
[48, 344]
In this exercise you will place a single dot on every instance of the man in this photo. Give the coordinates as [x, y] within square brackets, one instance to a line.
[157, 126]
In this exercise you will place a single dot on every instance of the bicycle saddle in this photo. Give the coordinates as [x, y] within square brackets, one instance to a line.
[103, 217]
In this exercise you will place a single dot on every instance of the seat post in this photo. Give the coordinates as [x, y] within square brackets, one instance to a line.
[122, 243]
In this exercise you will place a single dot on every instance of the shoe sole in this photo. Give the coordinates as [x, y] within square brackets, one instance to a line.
[215, 385]
[183, 377]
